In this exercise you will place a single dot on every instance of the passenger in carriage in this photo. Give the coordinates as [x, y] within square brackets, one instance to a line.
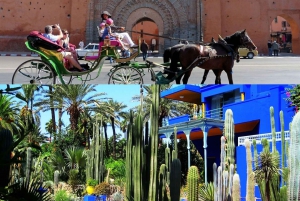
[112, 36]
[124, 36]
[65, 43]
[56, 38]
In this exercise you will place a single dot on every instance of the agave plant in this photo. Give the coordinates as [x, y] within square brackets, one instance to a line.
[26, 191]
[206, 192]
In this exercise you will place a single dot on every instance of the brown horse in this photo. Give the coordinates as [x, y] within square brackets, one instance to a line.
[216, 56]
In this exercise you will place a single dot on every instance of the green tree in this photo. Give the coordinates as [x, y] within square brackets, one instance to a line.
[117, 107]
[8, 113]
[293, 96]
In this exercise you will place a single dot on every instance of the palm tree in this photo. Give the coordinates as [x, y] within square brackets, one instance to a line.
[85, 126]
[117, 108]
[8, 113]
[75, 99]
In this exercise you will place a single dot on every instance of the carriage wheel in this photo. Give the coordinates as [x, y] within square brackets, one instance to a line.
[34, 72]
[125, 75]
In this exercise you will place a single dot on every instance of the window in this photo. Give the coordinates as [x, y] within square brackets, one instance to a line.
[90, 47]
[96, 47]
[275, 20]
[283, 23]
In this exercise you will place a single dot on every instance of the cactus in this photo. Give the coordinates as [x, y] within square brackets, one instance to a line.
[28, 163]
[154, 142]
[236, 189]
[175, 180]
[223, 153]
[193, 183]
[167, 161]
[265, 144]
[273, 129]
[220, 195]
[175, 151]
[215, 182]
[95, 160]
[229, 134]
[6, 142]
[250, 174]
[162, 195]
[56, 177]
[294, 160]
[225, 183]
[231, 173]
[255, 153]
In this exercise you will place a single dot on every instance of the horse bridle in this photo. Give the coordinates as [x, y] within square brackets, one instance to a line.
[245, 40]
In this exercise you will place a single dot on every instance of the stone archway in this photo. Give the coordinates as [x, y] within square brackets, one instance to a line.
[141, 13]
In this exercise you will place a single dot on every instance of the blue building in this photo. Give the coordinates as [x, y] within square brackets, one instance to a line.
[251, 112]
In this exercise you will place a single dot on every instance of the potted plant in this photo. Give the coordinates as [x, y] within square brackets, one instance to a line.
[102, 190]
[91, 183]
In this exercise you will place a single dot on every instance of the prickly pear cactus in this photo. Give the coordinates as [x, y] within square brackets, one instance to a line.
[193, 183]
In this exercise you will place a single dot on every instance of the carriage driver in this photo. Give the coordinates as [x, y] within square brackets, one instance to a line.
[56, 38]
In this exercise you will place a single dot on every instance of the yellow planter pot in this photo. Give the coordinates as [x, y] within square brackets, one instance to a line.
[90, 190]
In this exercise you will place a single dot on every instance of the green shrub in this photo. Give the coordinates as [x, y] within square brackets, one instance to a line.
[61, 195]
[92, 182]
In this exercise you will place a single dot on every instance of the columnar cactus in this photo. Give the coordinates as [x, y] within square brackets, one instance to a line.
[250, 173]
[255, 153]
[154, 141]
[229, 134]
[223, 153]
[220, 194]
[236, 196]
[168, 163]
[6, 142]
[162, 195]
[215, 173]
[175, 180]
[193, 183]
[294, 160]
[56, 177]
[28, 163]
[273, 129]
[95, 160]
[175, 154]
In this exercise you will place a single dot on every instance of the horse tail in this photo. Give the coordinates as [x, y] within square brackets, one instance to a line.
[167, 55]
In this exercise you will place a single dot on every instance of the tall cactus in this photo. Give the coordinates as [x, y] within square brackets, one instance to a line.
[294, 160]
[28, 163]
[255, 153]
[223, 153]
[175, 180]
[220, 194]
[6, 142]
[215, 173]
[250, 173]
[193, 183]
[95, 159]
[229, 134]
[168, 163]
[236, 196]
[273, 129]
[154, 142]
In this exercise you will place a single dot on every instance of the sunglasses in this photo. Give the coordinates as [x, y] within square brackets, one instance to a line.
[66, 33]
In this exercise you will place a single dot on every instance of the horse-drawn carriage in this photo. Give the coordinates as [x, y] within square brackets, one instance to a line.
[52, 68]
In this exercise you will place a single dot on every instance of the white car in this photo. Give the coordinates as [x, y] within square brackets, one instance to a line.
[90, 50]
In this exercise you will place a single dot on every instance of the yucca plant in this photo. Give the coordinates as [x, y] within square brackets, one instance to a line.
[26, 191]
[206, 192]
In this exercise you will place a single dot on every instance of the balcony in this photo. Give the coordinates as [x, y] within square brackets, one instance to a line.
[259, 137]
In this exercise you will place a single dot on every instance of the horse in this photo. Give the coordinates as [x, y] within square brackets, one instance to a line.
[216, 56]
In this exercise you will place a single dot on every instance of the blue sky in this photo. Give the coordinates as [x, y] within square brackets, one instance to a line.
[120, 93]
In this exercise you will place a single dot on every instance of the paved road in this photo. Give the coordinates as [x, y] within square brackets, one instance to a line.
[260, 70]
